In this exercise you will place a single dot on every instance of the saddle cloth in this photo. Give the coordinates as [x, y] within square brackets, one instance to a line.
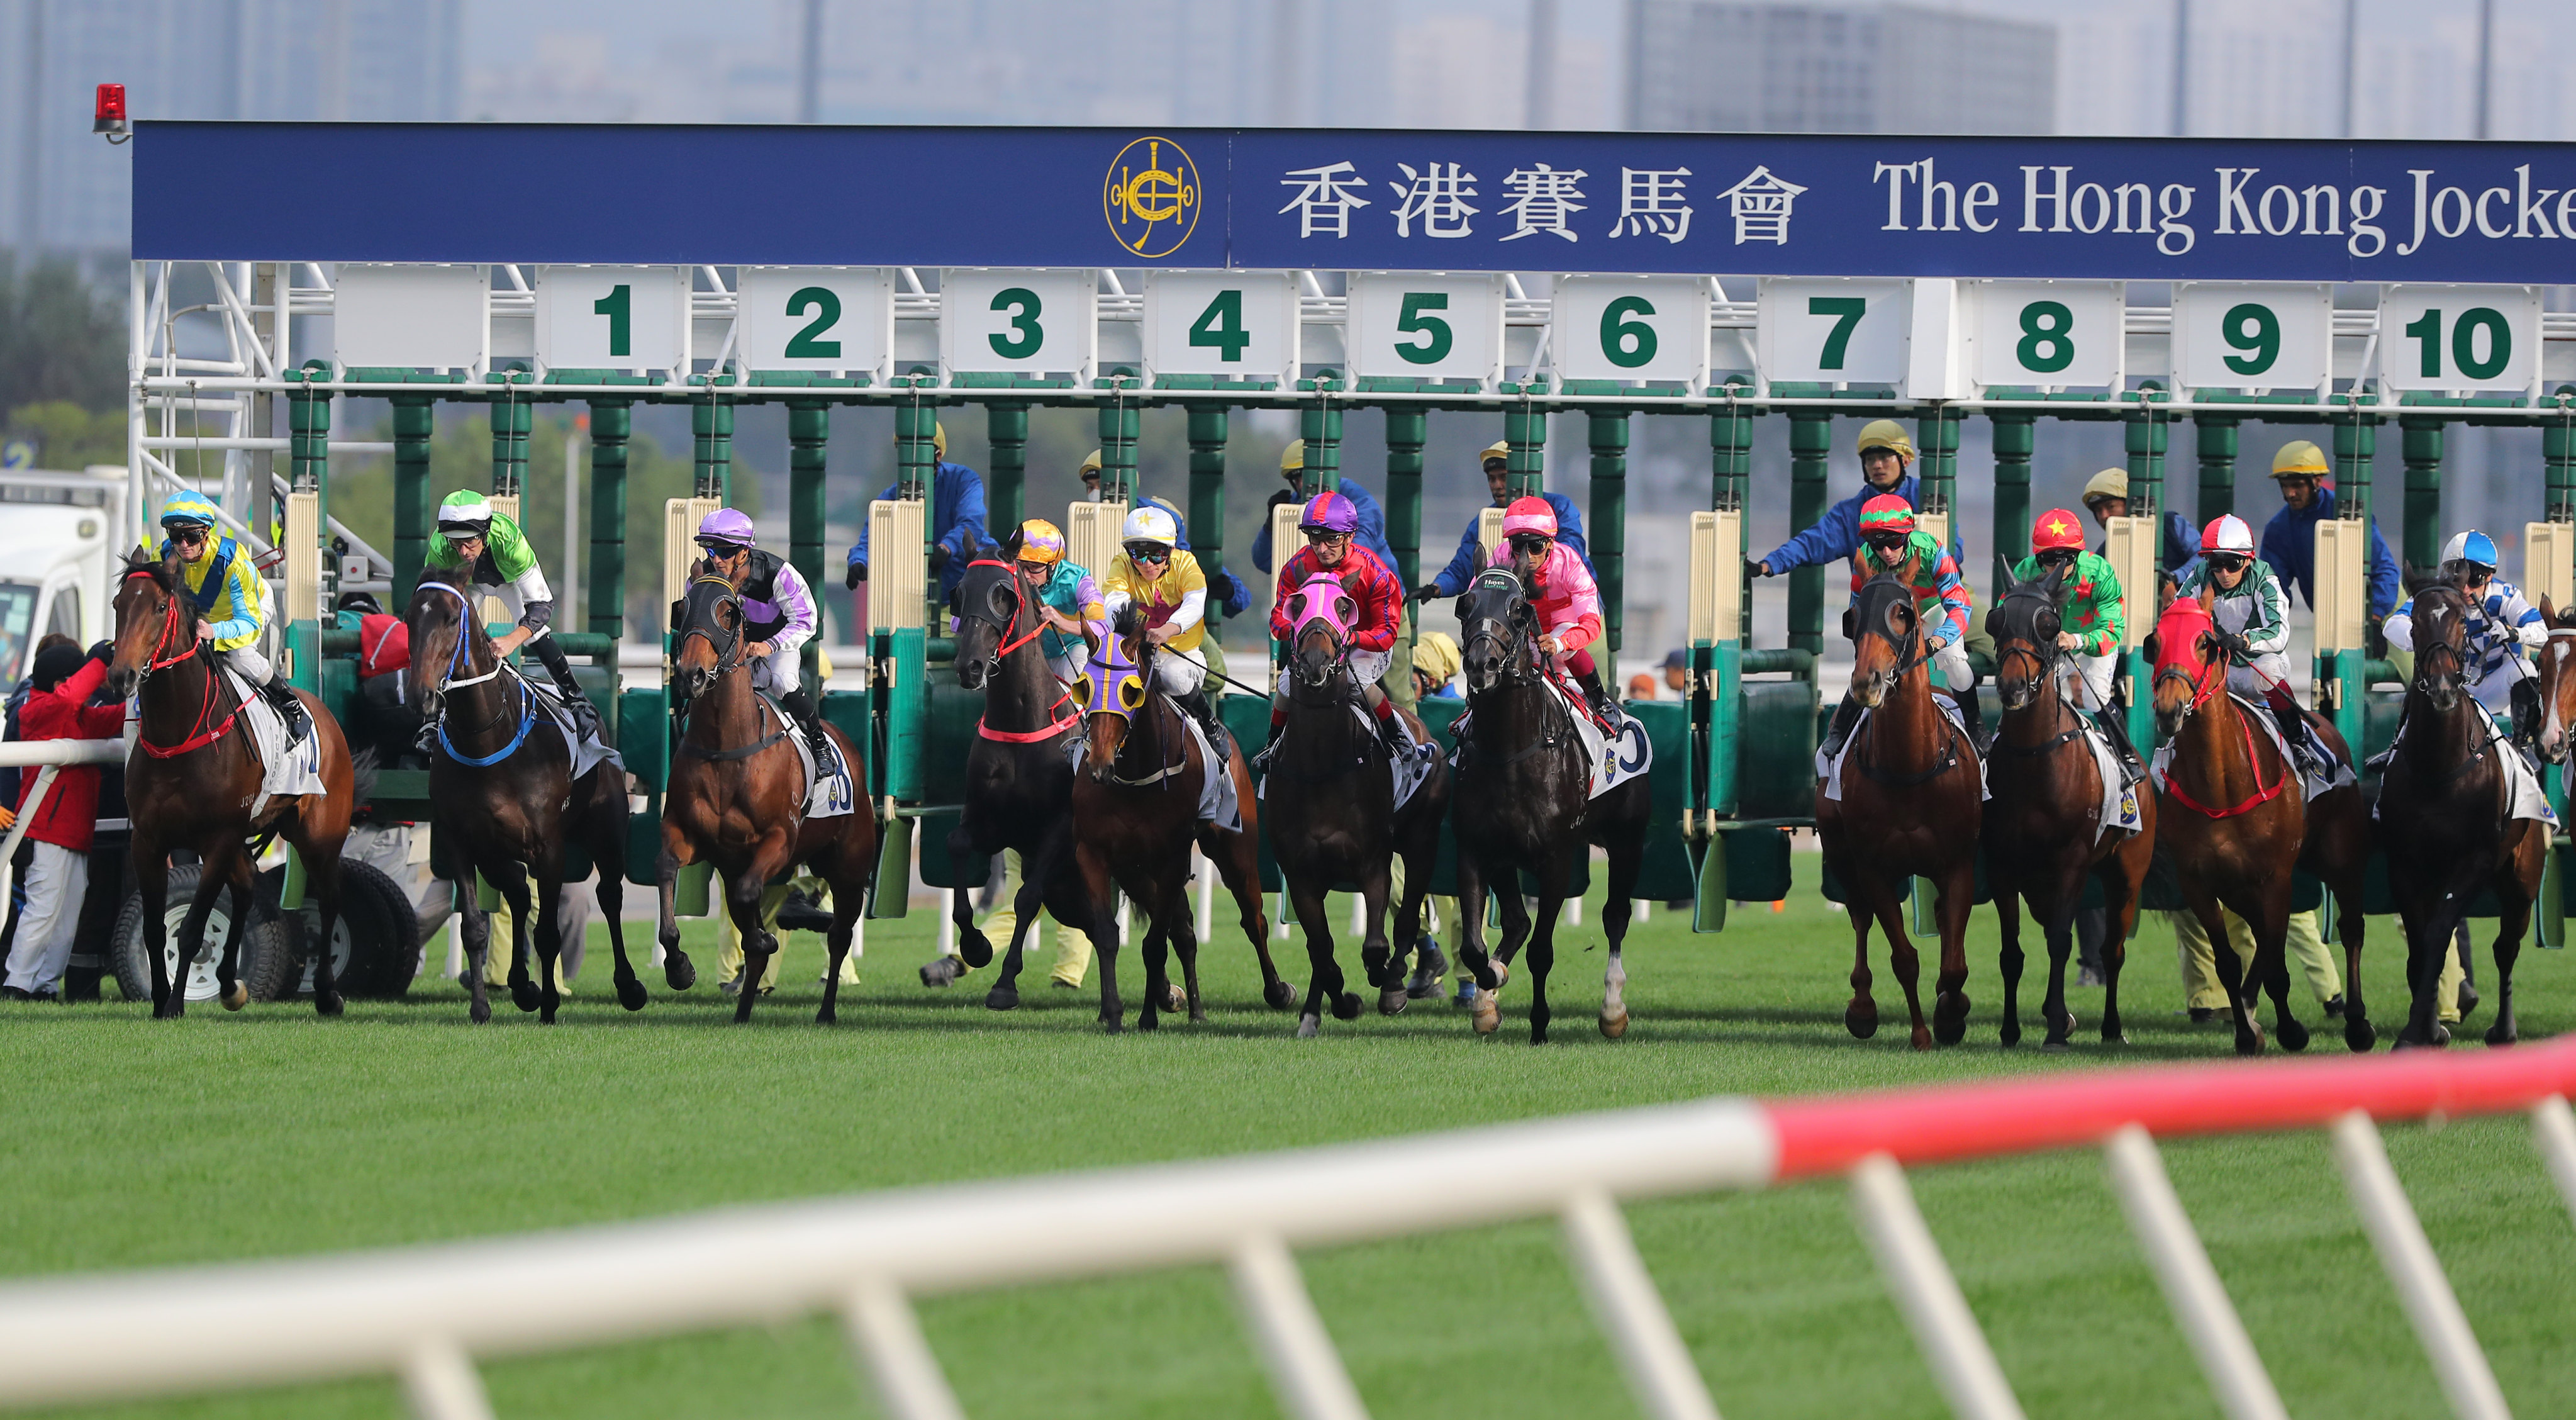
[1831, 770]
[1614, 760]
[1217, 802]
[1410, 769]
[2338, 775]
[285, 770]
[827, 795]
[2524, 796]
[2119, 811]
[588, 751]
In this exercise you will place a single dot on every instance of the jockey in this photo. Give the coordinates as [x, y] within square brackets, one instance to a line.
[1888, 540]
[1168, 587]
[489, 548]
[777, 609]
[1885, 454]
[2091, 624]
[1331, 525]
[2252, 614]
[1562, 592]
[2502, 625]
[232, 600]
[1063, 593]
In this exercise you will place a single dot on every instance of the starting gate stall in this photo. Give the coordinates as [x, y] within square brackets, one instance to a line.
[1720, 277]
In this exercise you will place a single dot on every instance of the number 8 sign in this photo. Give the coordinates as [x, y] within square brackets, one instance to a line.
[1632, 328]
[2049, 332]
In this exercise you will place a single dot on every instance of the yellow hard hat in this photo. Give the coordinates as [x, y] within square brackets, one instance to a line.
[1886, 434]
[2300, 459]
[939, 438]
[2109, 483]
[1090, 464]
[1436, 655]
[1499, 449]
[1292, 457]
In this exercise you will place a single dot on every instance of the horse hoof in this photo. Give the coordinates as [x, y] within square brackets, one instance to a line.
[1861, 1019]
[2502, 1033]
[975, 947]
[630, 993]
[2249, 1042]
[1614, 1026]
[526, 996]
[825, 1015]
[1002, 998]
[1149, 1020]
[237, 997]
[2293, 1036]
[2010, 1035]
[480, 1013]
[678, 970]
[1950, 1017]
[326, 1003]
[1308, 1025]
[1346, 1006]
[1391, 1000]
[1922, 1038]
[2441, 1034]
[1112, 1025]
[1280, 995]
[941, 972]
[2113, 1035]
[1175, 999]
[1538, 1032]
[1485, 1014]
[2358, 1036]
[2468, 998]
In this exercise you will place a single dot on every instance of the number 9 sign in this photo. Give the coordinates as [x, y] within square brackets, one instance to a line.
[1632, 328]
[2236, 336]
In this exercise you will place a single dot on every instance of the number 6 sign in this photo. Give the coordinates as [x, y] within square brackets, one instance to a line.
[1632, 328]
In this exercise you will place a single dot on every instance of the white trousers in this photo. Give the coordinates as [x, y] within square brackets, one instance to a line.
[2496, 691]
[777, 672]
[57, 880]
[1178, 672]
[1952, 662]
[1367, 668]
[2094, 672]
[247, 660]
[2256, 680]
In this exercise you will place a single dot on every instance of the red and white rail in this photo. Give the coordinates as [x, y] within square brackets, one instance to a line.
[425, 1314]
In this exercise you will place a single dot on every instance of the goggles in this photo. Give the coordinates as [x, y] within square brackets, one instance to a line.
[1888, 542]
[1531, 542]
[187, 532]
[718, 547]
[2056, 556]
[1324, 537]
[2230, 561]
[1148, 552]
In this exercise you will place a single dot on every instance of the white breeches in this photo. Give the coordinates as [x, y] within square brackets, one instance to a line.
[2256, 681]
[2094, 674]
[253, 666]
[776, 672]
[1178, 672]
[1951, 662]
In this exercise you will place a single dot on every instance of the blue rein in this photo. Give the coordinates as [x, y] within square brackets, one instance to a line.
[456, 662]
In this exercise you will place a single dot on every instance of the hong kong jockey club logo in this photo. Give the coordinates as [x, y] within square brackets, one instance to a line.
[1151, 197]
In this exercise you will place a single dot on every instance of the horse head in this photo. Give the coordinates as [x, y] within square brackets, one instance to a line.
[1321, 615]
[709, 619]
[1496, 626]
[1111, 689]
[438, 619]
[2025, 625]
[156, 623]
[2190, 668]
[1886, 632]
[2441, 646]
[2557, 679]
[988, 603]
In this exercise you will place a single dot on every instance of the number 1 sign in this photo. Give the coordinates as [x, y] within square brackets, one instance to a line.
[1232, 324]
[829, 318]
[613, 317]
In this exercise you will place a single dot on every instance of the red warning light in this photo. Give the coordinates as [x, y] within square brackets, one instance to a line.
[109, 117]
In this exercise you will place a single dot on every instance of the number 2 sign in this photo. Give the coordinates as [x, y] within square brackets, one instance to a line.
[830, 318]
[1233, 324]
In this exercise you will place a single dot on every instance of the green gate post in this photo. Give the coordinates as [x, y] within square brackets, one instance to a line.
[308, 471]
[2356, 444]
[711, 424]
[1609, 539]
[2558, 460]
[415, 419]
[612, 423]
[1121, 424]
[2421, 443]
[1006, 427]
[1407, 430]
[809, 434]
[1525, 460]
[512, 418]
[2146, 436]
[2217, 447]
[1811, 449]
[1321, 428]
[1937, 469]
[2016, 438]
[1209, 430]
[1716, 705]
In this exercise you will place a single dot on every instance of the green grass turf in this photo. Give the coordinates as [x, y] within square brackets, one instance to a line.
[269, 1133]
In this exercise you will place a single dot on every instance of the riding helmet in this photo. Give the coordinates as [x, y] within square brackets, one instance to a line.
[2299, 458]
[2473, 547]
[1886, 434]
[188, 508]
[1529, 514]
[2057, 530]
[465, 513]
[1330, 512]
[1149, 524]
[2227, 533]
[729, 526]
[2109, 483]
[1886, 513]
[1041, 542]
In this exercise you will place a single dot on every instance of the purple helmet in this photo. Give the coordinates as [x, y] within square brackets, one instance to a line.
[1329, 511]
[729, 526]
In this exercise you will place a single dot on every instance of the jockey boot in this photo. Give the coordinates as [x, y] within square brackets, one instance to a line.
[281, 696]
[1196, 706]
[2525, 707]
[1390, 728]
[1839, 733]
[1604, 709]
[1270, 749]
[585, 716]
[2115, 725]
[1973, 710]
[2294, 728]
[800, 703]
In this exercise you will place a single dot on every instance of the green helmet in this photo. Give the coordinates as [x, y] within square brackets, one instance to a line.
[465, 513]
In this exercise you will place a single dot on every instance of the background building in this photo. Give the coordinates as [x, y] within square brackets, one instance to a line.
[1730, 67]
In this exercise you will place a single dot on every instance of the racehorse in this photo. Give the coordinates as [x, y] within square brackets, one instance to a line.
[1912, 807]
[1329, 792]
[191, 782]
[505, 802]
[2233, 818]
[1523, 804]
[2043, 833]
[2445, 819]
[737, 796]
[1135, 815]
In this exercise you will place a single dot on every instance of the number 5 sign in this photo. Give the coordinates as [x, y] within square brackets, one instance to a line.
[1232, 324]
[1632, 328]
[1426, 325]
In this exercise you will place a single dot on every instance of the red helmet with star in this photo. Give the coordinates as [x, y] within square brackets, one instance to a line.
[2057, 530]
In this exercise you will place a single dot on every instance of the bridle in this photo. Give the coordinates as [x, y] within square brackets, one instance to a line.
[1913, 648]
[2205, 685]
[449, 681]
[729, 646]
[202, 734]
[2042, 651]
[1113, 702]
[1511, 638]
[1007, 637]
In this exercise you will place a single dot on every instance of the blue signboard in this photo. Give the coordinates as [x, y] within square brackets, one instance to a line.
[1768, 204]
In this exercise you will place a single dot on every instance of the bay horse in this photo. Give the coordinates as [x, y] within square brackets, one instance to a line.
[2233, 818]
[193, 777]
[2445, 820]
[1523, 804]
[1330, 791]
[1135, 816]
[2043, 832]
[505, 802]
[1912, 804]
[737, 796]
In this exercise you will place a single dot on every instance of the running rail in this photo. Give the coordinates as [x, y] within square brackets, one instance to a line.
[424, 1314]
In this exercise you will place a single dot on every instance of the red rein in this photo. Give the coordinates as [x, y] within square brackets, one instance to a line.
[1021, 737]
[159, 662]
[2183, 625]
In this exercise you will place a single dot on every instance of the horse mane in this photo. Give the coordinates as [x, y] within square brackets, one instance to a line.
[164, 573]
[1128, 620]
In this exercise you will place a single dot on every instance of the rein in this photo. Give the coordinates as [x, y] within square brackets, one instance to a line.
[1515, 647]
[204, 735]
[449, 681]
[729, 658]
[1004, 644]
[2253, 760]
[1911, 654]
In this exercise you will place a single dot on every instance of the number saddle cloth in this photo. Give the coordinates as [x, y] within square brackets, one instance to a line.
[1615, 755]
[1831, 770]
[286, 770]
[830, 791]
[2524, 796]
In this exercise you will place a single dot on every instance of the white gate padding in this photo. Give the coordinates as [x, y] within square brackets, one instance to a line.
[2342, 583]
[898, 565]
[1716, 576]
[2129, 545]
[2549, 563]
[426, 1313]
[1091, 535]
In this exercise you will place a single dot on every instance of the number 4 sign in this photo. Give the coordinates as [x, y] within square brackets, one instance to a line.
[1231, 324]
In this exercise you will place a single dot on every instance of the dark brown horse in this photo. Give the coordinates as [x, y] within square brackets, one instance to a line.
[194, 776]
[1329, 793]
[505, 803]
[2234, 819]
[1912, 802]
[2445, 820]
[1524, 805]
[2043, 832]
[737, 796]
[1135, 815]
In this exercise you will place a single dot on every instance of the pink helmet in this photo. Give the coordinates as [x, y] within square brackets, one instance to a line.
[1529, 515]
[2227, 533]
[1329, 511]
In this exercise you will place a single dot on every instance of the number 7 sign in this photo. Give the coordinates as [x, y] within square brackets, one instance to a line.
[1833, 332]
[1231, 324]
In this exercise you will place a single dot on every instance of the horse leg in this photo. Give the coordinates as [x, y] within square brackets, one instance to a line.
[2235, 975]
[607, 832]
[1487, 974]
[848, 868]
[509, 878]
[1627, 858]
[549, 940]
[2120, 918]
[1102, 919]
[475, 925]
[743, 892]
[151, 864]
[1903, 959]
[1155, 952]
[973, 947]
[2059, 927]
[192, 927]
[245, 891]
[1238, 863]
[1951, 902]
[1005, 992]
[1542, 957]
[677, 853]
[1323, 973]
[1385, 969]
[2007, 892]
[2515, 875]
[1185, 945]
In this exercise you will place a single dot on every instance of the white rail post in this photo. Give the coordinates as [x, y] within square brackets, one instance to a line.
[2467, 1380]
[439, 1382]
[1304, 1367]
[1205, 874]
[1631, 1312]
[1962, 1363]
[2191, 1285]
[2553, 1127]
[897, 1359]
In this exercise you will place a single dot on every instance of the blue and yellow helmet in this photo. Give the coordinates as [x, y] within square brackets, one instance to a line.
[187, 509]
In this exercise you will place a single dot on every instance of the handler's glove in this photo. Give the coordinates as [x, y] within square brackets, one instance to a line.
[858, 574]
